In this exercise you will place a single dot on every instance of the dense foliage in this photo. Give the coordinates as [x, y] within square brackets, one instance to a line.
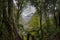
[43, 25]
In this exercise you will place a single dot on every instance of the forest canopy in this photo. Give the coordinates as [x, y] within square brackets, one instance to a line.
[29, 19]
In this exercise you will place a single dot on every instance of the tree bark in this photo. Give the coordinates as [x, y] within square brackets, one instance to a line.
[41, 26]
[59, 19]
[33, 38]
[6, 22]
[10, 13]
[28, 36]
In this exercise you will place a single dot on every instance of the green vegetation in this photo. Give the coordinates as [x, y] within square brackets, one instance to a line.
[43, 25]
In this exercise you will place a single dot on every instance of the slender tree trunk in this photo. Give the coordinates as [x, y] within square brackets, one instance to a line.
[59, 19]
[33, 38]
[55, 19]
[28, 36]
[0, 19]
[41, 26]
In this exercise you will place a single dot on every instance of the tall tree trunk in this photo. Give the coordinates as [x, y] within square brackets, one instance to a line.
[41, 26]
[0, 19]
[10, 13]
[28, 36]
[59, 18]
[33, 38]
[5, 20]
[55, 19]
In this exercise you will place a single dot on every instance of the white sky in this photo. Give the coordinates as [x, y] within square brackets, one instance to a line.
[27, 11]
[15, 3]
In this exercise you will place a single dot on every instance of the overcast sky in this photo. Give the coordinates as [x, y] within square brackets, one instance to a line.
[27, 11]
